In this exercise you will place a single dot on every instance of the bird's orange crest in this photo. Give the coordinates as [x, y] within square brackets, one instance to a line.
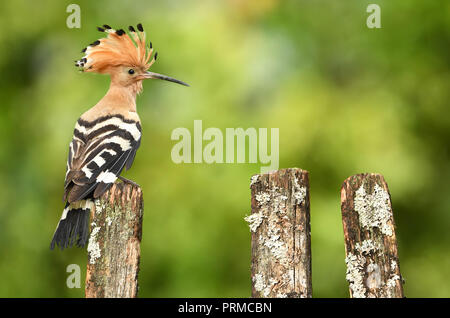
[117, 48]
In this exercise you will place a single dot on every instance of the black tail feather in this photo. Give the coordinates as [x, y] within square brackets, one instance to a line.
[73, 229]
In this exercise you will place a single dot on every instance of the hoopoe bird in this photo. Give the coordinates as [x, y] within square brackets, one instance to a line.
[107, 136]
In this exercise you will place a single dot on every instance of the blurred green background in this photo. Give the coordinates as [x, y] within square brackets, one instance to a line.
[347, 99]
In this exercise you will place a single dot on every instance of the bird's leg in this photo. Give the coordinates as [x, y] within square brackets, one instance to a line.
[125, 180]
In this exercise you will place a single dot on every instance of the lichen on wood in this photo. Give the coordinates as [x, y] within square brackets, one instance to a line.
[371, 246]
[114, 243]
[281, 238]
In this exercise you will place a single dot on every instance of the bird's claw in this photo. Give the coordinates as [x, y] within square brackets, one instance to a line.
[125, 180]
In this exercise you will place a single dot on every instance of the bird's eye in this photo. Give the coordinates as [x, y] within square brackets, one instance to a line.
[131, 71]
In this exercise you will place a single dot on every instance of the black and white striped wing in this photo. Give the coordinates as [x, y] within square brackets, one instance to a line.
[100, 150]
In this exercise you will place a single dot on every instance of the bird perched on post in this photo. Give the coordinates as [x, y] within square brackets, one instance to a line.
[107, 136]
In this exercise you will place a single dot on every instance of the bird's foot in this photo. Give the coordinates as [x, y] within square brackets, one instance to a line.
[125, 180]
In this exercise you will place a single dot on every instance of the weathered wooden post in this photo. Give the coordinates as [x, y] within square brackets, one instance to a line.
[281, 236]
[114, 243]
[373, 268]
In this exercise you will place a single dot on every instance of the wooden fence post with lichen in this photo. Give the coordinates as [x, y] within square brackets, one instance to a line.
[114, 243]
[281, 236]
[373, 268]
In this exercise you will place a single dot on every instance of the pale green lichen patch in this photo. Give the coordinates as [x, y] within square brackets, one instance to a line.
[299, 192]
[273, 242]
[99, 206]
[393, 265]
[374, 209]
[392, 280]
[272, 198]
[368, 246]
[355, 274]
[254, 179]
[93, 246]
[259, 282]
[279, 203]
[254, 221]
[262, 198]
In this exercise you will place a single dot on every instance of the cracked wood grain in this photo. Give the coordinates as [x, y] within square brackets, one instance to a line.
[373, 268]
[281, 235]
[114, 244]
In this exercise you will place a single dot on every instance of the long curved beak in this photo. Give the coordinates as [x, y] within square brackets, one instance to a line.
[148, 75]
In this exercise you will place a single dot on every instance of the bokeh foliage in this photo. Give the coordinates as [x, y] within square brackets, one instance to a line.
[347, 99]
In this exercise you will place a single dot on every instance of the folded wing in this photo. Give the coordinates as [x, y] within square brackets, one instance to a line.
[97, 155]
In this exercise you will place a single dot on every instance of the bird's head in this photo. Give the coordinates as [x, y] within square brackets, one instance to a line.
[124, 56]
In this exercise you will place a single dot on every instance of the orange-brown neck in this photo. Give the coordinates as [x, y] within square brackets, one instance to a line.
[119, 99]
[122, 96]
